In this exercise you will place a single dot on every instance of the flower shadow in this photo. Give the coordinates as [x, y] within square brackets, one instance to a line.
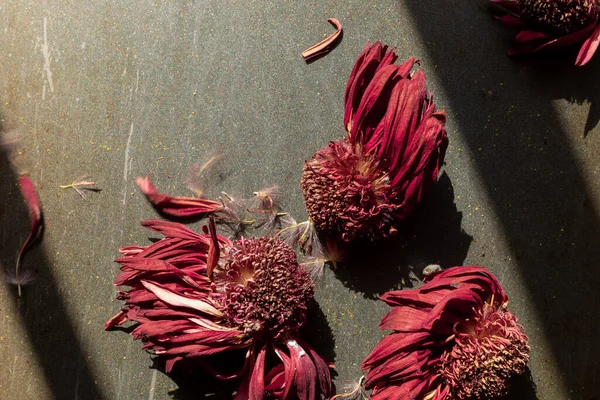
[432, 235]
[553, 74]
[555, 77]
[318, 333]
[196, 383]
[522, 388]
[525, 149]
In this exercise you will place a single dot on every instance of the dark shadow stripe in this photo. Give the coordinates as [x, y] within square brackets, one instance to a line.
[41, 309]
[515, 139]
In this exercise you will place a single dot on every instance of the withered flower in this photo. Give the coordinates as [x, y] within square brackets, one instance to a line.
[550, 24]
[362, 185]
[453, 338]
[194, 295]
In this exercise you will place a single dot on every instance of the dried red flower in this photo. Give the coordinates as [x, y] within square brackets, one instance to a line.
[194, 295]
[362, 185]
[549, 24]
[453, 338]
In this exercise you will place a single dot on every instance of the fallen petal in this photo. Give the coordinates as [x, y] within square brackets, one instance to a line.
[28, 192]
[325, 45]
[176, 206]
[117, 320]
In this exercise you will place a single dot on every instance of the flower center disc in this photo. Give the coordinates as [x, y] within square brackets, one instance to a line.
[266, 291]
[486, 357]
[559, 16]
[346, 194]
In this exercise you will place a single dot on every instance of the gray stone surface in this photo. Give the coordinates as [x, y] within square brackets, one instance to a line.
[120, 89]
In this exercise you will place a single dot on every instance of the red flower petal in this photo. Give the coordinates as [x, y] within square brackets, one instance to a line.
[412, 298]
[177, 206]
[529, 36]
[569, 39]
[213, 250]
[35, 210]
[508, 4]
[257, 379]
[175, 299]
[325, 45]
[322, 368]
[589, 48]
[392, 344]
[118, 319]
[372, 105]
[275, 381]
[173, 229]
[368, 63]
[289, 371]
[512, 21]
[404, 319]
[306, 373]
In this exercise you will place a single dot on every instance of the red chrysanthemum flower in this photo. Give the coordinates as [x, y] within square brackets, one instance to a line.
[546, 24]
[453, 339]
[360, 186]
[194, 295]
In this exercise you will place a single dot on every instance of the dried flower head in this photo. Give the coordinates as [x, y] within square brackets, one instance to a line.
[362, 185]
[453, 338]
[548, 24]
[194, 295]
[266, 292]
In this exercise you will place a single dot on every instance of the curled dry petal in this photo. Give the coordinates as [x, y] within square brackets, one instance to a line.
[35, 210]
[325, 45]
[176, 206]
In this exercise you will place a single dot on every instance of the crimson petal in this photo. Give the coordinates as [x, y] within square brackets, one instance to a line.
[35, 210]
[257, 379]
[176, 206]
[322, 368]
[589, 48]
[306, 373]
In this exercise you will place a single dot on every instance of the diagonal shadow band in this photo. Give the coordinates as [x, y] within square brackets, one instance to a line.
[531, 175]
[41, 309]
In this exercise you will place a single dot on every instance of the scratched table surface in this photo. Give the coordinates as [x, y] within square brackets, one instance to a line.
[116, 90]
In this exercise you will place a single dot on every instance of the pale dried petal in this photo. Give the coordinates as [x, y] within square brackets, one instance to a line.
[324, 46]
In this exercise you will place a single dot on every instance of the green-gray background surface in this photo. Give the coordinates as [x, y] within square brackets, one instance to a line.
[119, 89]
